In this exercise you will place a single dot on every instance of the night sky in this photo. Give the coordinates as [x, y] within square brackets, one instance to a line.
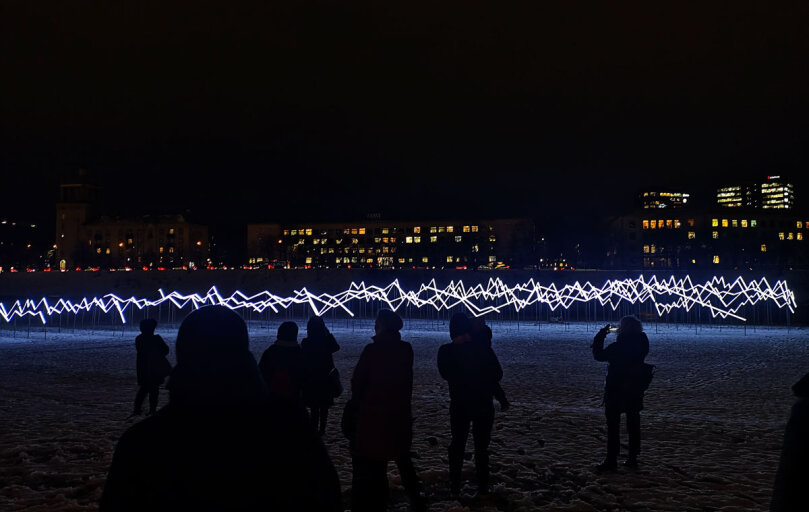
[257, 111]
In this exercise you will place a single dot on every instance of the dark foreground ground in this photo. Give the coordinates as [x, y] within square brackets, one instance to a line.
[712, 426]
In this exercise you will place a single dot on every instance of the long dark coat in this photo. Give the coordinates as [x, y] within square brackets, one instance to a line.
[318, 363]
[283, 359]
[625, 356]
[473, 372]
[382, 385]
[151, 364]
[790, 493]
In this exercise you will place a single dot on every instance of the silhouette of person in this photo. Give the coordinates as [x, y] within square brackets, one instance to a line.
[220, 444]
[318, 389]
[472, 372]
[624, 356]
[482, 333]
[790, 493]
[281, 365]
[151, 365]
[382, 385]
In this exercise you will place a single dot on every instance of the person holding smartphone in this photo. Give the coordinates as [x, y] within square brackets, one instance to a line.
[621, 396]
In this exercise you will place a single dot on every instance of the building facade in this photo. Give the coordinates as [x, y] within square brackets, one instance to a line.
[744, 239]
[775, 193]
[376, 243]
[85, 239]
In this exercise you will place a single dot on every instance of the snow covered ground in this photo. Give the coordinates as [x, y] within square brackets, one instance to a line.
[712, 427]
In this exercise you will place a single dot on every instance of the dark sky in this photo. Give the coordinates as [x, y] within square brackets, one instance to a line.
[328, 110]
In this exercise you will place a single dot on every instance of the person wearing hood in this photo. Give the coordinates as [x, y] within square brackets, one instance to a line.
[790, 493]
[319, 388]
[382, 386]
[473, 374]
[281, 365]
[625, 357]
[220, 444]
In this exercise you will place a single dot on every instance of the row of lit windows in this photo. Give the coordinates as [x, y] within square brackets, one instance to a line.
[664, 223]
[790, 236]
[734, 223]
[385, 231]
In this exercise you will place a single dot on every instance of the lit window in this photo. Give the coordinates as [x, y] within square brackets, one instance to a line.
[790, 236]
[353, 231]
[385, 231]
[474, 229]
[716, 258]
[433, 238]
[646, 249]
[458, 238]
[171, 250]
[799, 225]
[763, 247]
[492, 259]
[161, 250]
[744, 223]
[355, 241]
[369, 260]
[668, 223]
[714, 234]
[309, 260]
[691, 223]
[171, 231]
[714, 223]
[692, 235]
[677, 224]
[645, 224]
[492, 238]
[401, 260]
[800, 236]
[753, 223]
[735, 223]
[450, 229]
[417, 239]
[653, 224]
[433, 229]
[286, 232]
[653, 249]
[377, 239]
[449, 259]
[425, 259]
[309, 231]
[780, 236]
[724, 223]
[417, 229]
[106, 252]
[408, 239]
[362, 231]
[466, 229]
[442, 229]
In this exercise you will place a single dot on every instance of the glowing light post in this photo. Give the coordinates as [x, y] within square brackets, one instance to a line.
[721, 298]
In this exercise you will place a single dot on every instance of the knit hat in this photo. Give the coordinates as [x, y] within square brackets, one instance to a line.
[459, 324]
[388, 321]
[209, 334]
[288, 331]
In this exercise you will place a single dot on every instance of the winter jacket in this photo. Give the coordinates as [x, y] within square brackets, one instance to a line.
[472, 371]
[318, 363]
[283, 371]
[790, 493]
[220, 445]
[151, 364]
[625, 357]
[382, 386]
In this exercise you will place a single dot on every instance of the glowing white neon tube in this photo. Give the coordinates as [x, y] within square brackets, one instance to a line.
[721, 298]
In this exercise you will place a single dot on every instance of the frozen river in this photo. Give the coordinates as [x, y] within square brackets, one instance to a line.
[712, 426]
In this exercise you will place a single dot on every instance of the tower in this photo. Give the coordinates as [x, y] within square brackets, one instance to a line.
[78, 198]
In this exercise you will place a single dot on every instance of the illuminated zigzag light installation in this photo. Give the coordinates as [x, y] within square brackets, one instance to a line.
[721, 298]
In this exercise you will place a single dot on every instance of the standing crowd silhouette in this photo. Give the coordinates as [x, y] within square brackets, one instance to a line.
[241, 435]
